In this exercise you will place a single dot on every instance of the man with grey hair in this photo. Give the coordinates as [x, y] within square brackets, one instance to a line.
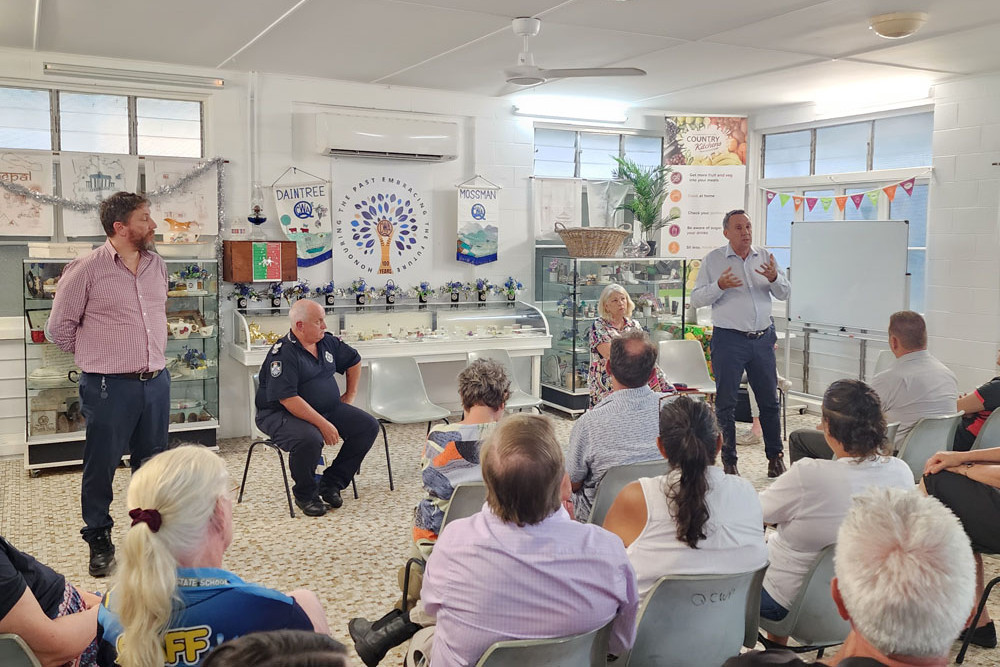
[620, 429]
[904, 580]
[300, 406]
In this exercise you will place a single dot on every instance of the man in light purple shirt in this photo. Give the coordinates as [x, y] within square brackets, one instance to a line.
[522, 568]
[110, 313]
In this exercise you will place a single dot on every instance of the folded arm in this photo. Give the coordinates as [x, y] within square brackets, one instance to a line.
[54, 641]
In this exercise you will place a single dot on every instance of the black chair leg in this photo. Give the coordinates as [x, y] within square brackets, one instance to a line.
[284, 476]
[246, 469]
[388, 462]
[355, 488]
[406, 580]
[975, 619]
[784, 414]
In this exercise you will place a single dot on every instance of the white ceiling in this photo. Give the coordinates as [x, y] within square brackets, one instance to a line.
[715, 56]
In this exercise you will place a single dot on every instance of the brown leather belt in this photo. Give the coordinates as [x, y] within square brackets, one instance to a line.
[143, 377]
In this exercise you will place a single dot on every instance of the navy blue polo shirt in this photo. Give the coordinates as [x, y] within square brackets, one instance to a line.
[291, 370]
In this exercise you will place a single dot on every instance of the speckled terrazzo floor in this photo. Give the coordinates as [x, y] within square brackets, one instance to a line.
[349, 557]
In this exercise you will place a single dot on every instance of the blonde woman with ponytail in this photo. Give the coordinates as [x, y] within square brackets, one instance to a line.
[173, 601]
[695, 519]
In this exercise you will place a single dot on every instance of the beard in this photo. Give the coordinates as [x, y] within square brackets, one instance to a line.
[147, 242]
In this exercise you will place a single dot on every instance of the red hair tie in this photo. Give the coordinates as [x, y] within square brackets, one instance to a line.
[151, 518]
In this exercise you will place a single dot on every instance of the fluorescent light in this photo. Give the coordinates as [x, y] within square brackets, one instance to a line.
[132, 76]
[571, 108]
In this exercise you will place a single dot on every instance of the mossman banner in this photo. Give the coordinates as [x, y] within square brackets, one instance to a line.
[478, 234]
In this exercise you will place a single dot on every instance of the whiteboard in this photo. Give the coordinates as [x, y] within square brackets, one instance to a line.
[848, 273]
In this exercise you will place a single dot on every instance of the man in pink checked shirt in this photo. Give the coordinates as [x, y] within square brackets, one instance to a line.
[110, 313]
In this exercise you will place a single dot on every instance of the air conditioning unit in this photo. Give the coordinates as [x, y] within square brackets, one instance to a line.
[381, 135]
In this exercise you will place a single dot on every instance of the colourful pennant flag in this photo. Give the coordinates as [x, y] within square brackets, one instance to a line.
[784, 198]
[826, 201]
[811, 202]
[841, 202]
[873, 195]
[890, 192]
[798, 202]
[770, 195]
[908, 185]
[857, 199]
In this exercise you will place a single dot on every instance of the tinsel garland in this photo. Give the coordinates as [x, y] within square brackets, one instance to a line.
[84, 206]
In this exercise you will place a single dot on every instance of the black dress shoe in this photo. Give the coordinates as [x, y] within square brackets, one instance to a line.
[776, 466]
[373, 640]
[331, 496]
[102, 555]
[311, 507]
[984, 636]
[730, 469]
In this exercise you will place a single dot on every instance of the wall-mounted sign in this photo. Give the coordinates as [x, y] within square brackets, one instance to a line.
[304, 217]
[478, 212]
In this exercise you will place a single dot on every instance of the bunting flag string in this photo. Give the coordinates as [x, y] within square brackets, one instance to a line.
[856, 199]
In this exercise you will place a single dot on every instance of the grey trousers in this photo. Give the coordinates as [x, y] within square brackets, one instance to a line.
[808, 443]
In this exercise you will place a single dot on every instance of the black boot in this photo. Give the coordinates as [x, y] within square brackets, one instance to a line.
[102, 554]
[373, 640]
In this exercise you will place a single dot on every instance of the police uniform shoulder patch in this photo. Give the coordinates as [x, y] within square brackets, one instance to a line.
[276, 347]
[275, 368]
[328, 357]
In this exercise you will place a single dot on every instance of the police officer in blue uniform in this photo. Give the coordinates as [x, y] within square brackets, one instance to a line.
[300, 407]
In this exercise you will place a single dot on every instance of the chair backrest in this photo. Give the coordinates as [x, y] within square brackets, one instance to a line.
[813, 618]
[466, 499]
[14, 652]
[989, 432]
[255, 432]
[890, 436]
[684, 361]
[884, 360]
[501, 357]
[928, 435]
[588, 649]
[614, 481]
[395, 381]
[696, 620]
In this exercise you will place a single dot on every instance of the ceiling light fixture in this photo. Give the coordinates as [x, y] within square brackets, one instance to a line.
[132, 76]
[897, 25]
[570, 108]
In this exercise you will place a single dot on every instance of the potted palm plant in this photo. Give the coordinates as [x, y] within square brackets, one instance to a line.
[648, 193]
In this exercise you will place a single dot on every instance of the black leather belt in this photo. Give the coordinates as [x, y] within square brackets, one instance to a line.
[144, 376]
[752, 335]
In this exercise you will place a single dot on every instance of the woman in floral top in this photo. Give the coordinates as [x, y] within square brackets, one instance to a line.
[614, 310]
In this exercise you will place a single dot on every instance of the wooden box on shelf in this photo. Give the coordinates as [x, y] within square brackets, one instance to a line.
[238, 265]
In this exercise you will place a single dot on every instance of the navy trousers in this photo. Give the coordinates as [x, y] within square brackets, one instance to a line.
[122, 416]
[732, 354]
[304, 444]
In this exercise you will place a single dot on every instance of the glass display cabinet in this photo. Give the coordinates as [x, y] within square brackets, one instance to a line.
[570, 290]
[55, 427]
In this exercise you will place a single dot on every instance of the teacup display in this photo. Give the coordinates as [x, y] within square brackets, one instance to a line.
[180, 329]
[207, 330]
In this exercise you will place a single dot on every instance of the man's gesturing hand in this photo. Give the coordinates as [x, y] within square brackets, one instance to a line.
[728, 279]
[769, 270]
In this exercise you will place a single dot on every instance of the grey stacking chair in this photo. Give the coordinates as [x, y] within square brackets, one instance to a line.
[989, 433]
[519, 399]
[14, 652]
[812, 620]
[590, 648]
[884, 360]
[615, 479]
[684, 361]
[696, 620]
[890, 436]
[396, 395]
[928, 436]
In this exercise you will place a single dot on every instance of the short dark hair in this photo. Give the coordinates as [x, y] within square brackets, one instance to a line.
[854, 418]
[632, 358]
[523, 468]
[117, 208]
[909, 327]
[279, 648]
[729, 214]
[484, 382]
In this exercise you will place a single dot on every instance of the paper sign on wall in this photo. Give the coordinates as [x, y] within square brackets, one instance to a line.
[266, 261]
[19, 215]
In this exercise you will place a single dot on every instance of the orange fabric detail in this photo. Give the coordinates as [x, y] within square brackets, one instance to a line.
[424, 534]
[448, 454]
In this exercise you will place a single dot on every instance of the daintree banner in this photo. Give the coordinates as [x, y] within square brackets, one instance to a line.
[304, 217]
[707, 155]
[478, 235]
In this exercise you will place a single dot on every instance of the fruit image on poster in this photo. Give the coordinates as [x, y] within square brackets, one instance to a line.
[708, 156]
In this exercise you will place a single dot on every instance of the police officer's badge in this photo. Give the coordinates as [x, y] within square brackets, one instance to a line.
[328, 357]
[277, 346]
[275, 369]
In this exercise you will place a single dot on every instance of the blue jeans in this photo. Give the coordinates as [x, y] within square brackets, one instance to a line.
[732, 354]
[769, 607]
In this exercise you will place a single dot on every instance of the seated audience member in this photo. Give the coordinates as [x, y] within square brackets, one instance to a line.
[173, 602]
[623, 427]
[916, 386]
[695, 519]
[808, 503]
[279, 648]
[969, 484]
[977, 407]
[522, 568]
[451, 456]
[903, 581]
[55, 619]
[300, 406]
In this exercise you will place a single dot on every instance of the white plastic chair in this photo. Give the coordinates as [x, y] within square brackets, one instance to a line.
[890, 436]
[696, 620]
[989, 433]
[590, 648]
[928, 436]
[884, 360]
[396, 395]
[812, 620]
[615, 479]
[519, 399]
[14, 652]
[684, 361]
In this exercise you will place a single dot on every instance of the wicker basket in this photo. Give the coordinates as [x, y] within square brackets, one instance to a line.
[591, 241]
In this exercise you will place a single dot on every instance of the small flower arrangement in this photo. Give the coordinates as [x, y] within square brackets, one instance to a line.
[483, 285]
[452, 287]
[564, 306]
[510, 287]
[423, 291]
[361, 291]
[647, 300]
[244, 291]
[299, 290]
[193, 272]
[553, 265]
[274, 290]
[326, 289]
[194, 358]
[391, 292]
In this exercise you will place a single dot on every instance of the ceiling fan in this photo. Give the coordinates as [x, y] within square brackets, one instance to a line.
[526, 73]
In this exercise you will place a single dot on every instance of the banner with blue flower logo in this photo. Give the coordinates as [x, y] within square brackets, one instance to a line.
[478, 234]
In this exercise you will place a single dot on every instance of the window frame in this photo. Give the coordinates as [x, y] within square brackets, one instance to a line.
[580, 129]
